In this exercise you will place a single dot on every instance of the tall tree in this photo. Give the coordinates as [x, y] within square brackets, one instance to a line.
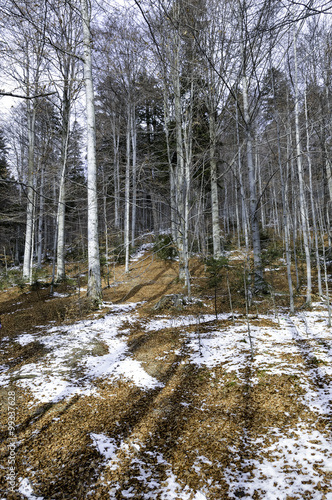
[94, 276]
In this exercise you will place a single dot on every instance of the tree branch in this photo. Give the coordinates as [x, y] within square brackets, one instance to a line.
[10, 94]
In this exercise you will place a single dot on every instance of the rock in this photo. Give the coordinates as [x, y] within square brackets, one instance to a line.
[175, 300]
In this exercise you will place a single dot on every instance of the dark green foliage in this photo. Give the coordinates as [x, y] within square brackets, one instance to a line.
[164, 247]
[215, 269]
[272, 253]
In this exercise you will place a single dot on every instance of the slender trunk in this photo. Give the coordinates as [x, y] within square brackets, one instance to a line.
[180, 171]
[291, 210]
[61, 272]
[134, 176]
[284, 209]
[40, 220]
[313, 209]
[32, 242]
[214, 185]
[325, 269]
[303, 208]
[188, 138]
[173, 208]
[127, 193]
[242, 191]
[106, 229]
[94, 279]
[31, 115]
[259, 178]
[254, 223]
[155, 218]
[116, 166]
[237, 217]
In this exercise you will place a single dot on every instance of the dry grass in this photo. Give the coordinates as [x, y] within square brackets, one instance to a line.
[149, 279]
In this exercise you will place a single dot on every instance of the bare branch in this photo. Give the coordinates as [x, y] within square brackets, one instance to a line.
[10, 94]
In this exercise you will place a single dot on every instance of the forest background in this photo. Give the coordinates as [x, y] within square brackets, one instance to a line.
[206, 123]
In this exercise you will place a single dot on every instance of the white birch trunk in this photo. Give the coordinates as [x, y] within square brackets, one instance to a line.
[31, 116]
[179, 176]
[134, 176]
[302, 201]
[40, 220]
[127, 193]
[61, 271]
[214, 185]
[173, 208]
[244, 213]
[187, 135]
[94, 278]
[32, 242]
[116, 144]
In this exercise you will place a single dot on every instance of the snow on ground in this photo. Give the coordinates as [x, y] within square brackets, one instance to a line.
[178, 321]
[290, 466]
[25, 339]
[70, 365]
[26, 490]
[280, 470]
[171, 490]
[141, 252]
[305, 452]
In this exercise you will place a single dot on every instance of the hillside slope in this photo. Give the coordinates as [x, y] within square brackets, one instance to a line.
[130, 402]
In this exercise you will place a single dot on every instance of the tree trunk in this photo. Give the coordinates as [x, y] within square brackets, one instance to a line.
[61, 272]
[127, 193]
[31, 117]
[94, 278]
[180, 171]
[40, 220]
[116, 144]
[284, 206]
[303, 208]
[134, 177]
[254, 223]
[313, 208]
[214, 185]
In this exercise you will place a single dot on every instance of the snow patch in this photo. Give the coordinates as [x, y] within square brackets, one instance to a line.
[26, 490]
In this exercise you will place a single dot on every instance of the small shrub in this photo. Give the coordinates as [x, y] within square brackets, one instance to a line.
[4, 282]
[273, 252]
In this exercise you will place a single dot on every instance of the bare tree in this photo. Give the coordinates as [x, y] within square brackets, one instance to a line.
[94, 277]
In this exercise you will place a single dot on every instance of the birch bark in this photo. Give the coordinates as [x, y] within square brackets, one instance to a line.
[214, 185]
[31, 116]
[61, 273]
[127, 191]
[94, 278]
[302, 201]
[40, 219]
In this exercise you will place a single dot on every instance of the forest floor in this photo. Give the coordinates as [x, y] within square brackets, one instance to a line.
[133, 402]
